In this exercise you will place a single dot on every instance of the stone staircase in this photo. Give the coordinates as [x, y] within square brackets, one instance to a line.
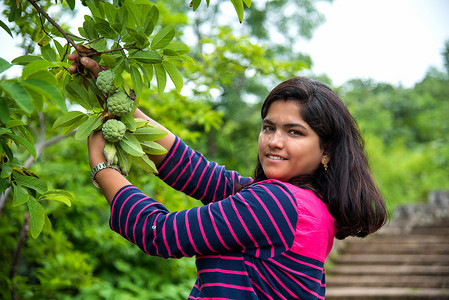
[408, 259]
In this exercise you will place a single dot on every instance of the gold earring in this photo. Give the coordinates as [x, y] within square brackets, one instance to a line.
[325, 163]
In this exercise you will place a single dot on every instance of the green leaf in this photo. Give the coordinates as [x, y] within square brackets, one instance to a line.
[24, 142]
[4, 130]
[4, 184]
[4, 65]
[238, 5]
[24, 132]
[31, 182]
[136, 79]
[45, 76]
[110, 11]
[149, 133]
[70, 128]
[47, 225]
[151, 20]
[163, 37]
[140, 122]
[124, 160]
[88, 26]
[176, 49]
[19, 94]
[37, 217]
[71, 4]
[48, 90]
[48, 53]
[69, 118]
[6, 171]
[133, 13]
[131, 145]
[78, 94]
[146, 164]
[247, 3]
[161, 77]
[25, 59]
[140, 39]
[15, 123]
[195, 4]
[129, 121]
[57, 195]
[60, 48]
[104, 29]
[7, 150]
[174, 74]
[4, 110]
[21, 195]
[153, 148]
[121, 20]
[108, 60]
[96, 13]
[38, 65]
[87, 127]
[15, 12]
[147, 57]
[6, 28]
[100, 45]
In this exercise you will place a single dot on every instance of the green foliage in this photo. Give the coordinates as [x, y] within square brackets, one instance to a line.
[76, 255]
[405, 135]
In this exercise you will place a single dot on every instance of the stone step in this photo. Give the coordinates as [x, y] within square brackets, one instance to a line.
[397, 248]
[386, 294]
[389, 270]
[440, 231]
[403, 281]
[392, 259]
[404, 238]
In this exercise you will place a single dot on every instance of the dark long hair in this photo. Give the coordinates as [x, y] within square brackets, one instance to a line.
[346, 187]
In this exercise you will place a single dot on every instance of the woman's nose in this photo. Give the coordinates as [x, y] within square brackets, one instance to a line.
[277, 140]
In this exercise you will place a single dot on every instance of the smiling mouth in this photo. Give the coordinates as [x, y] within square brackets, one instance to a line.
[275, 157]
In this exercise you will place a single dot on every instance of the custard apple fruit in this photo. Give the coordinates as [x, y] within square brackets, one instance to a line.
[113, 130]
[106, 81]
[119, 103]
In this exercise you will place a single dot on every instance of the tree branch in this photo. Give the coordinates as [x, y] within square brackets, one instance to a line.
[56, 25]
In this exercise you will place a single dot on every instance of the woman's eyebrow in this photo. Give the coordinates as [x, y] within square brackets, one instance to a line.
[268, 121]
[288, 125]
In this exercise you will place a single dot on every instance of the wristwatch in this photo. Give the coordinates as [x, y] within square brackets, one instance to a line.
[100, 167]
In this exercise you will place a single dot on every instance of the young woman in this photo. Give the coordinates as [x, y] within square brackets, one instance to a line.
[265, 237]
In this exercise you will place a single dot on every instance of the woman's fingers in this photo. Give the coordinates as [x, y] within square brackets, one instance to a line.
[84, 61]
[91, 65]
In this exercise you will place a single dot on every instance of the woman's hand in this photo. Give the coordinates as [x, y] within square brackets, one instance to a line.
[95, 145]
[79, 63]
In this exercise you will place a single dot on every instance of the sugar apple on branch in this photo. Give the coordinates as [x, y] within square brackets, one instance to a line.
[106, 81]
[119, 103]
[113, 130]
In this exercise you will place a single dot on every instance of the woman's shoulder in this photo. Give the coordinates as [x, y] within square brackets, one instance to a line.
[302, 198]
[288, 187]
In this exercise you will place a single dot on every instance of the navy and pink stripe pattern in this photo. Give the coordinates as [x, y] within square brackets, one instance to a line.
[268, 241]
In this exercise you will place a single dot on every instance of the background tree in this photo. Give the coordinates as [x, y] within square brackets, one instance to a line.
[229, 70]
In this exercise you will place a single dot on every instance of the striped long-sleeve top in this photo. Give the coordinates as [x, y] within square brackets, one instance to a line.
[267, 241]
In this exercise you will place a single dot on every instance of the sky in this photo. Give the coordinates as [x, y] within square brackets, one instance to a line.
[393, 41]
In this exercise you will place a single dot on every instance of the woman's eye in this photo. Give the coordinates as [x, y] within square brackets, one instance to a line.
[268, 128]
[295, 132]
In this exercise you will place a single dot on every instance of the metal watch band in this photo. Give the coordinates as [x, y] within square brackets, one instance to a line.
[100, 167]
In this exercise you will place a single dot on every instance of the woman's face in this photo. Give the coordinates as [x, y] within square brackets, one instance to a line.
[288, 147]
